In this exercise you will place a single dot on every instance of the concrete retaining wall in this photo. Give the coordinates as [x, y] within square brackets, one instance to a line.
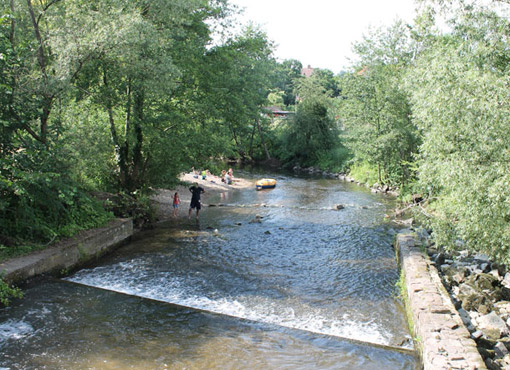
[69, 254]
[444, 341]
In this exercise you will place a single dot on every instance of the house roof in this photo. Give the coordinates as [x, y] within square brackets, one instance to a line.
[307, 71]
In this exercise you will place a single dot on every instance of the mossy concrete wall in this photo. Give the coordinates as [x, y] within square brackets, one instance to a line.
[68, 254]
[443, 340]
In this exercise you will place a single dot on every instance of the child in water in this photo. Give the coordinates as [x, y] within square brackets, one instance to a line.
[176, 203]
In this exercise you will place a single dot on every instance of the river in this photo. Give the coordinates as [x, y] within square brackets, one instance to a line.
[274, 279]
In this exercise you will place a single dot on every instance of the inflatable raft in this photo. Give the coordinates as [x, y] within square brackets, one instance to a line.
[265, 184]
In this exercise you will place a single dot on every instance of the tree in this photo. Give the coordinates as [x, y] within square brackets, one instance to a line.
[458, 88]
[136, 79]
[312, 133]
[375, 108]
[237, 85]
[287, 74]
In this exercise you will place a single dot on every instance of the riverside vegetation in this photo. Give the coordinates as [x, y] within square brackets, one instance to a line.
[121, 96]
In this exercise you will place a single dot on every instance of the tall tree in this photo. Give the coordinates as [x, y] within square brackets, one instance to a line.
[375, 107]
[239, 82]
[313, 132]
[459, 87]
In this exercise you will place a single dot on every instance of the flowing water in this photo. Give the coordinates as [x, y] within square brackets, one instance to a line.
[274, 279]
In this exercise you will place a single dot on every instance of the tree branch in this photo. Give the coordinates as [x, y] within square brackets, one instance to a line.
[40, 50]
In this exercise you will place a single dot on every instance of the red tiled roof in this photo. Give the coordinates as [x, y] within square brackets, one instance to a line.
[307, 72]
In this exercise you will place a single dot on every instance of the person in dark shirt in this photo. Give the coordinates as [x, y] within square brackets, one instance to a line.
[196, 191]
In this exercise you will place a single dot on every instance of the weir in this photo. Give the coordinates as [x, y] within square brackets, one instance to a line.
[390, 347]
[256, 264]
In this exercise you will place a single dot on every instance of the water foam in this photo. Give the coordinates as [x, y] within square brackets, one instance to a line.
[138, 279]
[15, 330]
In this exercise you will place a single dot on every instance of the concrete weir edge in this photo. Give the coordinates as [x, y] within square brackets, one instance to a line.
[68, 254]
[442, 339]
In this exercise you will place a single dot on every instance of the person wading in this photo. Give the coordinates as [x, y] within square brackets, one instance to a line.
[196, 191]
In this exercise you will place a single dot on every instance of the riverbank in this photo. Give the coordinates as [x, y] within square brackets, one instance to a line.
[163, 198]
[480, 290]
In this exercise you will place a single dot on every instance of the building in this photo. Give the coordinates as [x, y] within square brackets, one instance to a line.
[308, 71]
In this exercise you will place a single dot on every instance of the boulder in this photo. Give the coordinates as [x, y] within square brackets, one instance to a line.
[506, 280]
[338, 207]
[495, 273]
[483, 281]
[480, 257]
[422, 233]
[440, 258]
[502, 308]
[473, 299]
[500, 267]
[485, 267]
[500, 350]
[454, 276]
[476, 334]
[492, 326]
[463, 254]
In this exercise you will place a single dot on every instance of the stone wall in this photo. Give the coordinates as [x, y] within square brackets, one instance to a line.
[68, 254]
[442, 338]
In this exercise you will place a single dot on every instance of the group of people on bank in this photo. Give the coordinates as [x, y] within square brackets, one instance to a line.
[196, 191]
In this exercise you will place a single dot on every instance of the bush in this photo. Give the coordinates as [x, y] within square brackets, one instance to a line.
[334, 160]
[37, 207]
[7, 292]
[364, 173]
[128, 206]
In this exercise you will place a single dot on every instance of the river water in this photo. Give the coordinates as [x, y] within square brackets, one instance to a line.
[274, 279]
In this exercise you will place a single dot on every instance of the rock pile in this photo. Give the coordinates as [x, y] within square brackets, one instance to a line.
[480, 290]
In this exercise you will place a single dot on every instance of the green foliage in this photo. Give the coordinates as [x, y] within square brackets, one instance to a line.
[39, 205]
[8, 292]
[137, 207]
[334, 160]
[375, 108]
[287, 75]
[312, 132]
[458, 88]
[364, 172]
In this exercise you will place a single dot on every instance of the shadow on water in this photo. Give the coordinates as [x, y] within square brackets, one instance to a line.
[296, 276]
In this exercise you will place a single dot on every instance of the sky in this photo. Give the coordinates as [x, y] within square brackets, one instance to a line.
[320, 33]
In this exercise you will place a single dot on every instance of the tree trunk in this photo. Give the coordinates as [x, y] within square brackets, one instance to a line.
[138, 162]
[250, 152]
[13, 25]
[121, 153]
[42, 60]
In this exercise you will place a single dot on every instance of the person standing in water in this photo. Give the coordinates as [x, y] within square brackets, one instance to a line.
[196, 191]
[176, 203]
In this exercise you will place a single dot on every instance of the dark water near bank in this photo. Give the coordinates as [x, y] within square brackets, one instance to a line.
[229, 293]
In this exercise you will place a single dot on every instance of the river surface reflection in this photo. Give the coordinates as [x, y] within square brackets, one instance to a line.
[273, 279]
